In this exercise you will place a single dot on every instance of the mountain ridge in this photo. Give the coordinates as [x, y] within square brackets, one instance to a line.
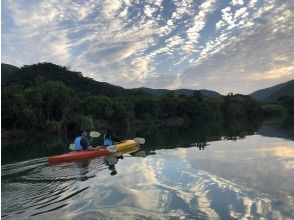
[7, 69]
[274, 92]
[187, 92]
[28, 74]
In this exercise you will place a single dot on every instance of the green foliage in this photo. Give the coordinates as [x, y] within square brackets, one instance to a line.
[28, 75]
[288, 103]
[85, 122]
[197, 95]
[178, 122]
[6, 72]
[32, 101]
[236, 106]
[12, 105]
[270, 110]
[52, 127]
[27, 118]
[95, 105]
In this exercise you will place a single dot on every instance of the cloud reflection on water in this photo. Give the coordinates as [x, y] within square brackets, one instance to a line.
[221, 188]
[241, 179]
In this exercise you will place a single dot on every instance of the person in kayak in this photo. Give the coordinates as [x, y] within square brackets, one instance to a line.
[81, 143]
[110, 138]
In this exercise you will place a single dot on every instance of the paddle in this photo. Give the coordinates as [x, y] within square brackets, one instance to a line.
[94, 134]
[111, 148]
[72, 147]
[139, 140]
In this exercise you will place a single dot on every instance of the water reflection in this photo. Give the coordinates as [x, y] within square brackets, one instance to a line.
[140, 153]
[82, 167]
[229, 180]
[198, 176]
[274, 128]
[189, 181]
[110, 161]
[113, 159]
[202, 131]
[156, 137]
[30, 148]
[200, 145]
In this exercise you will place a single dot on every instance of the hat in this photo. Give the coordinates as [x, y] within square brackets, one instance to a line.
[82, 130]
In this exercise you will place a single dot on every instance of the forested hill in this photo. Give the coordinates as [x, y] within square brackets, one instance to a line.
[50, 99]
[6, 71]
[28, 75]
[273, 93]
[187, 92]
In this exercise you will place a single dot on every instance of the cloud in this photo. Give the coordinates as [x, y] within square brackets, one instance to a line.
[237, 2]
[276, 73]
[228, 17]
[149, 10]
[167, 81]
[155, 43]
[256, 57]
[252, 3]
[199, 22]
[174, 41]
[111, 7]
[117, 51]
[241, 12]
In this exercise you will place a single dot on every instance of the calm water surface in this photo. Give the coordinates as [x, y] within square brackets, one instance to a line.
[246, 178]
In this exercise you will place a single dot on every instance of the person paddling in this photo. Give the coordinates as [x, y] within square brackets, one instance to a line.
[81, 143]
[110, 138]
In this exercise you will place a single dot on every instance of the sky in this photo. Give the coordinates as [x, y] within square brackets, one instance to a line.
[234, 46]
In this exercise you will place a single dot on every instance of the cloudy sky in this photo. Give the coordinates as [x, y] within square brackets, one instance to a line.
[228, 46]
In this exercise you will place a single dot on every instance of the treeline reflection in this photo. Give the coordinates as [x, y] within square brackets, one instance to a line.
[157, 137]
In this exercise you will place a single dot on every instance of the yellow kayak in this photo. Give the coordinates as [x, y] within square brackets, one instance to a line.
[126, 145]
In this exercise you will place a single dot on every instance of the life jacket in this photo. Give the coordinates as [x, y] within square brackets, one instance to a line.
[107, 141]
[77, 143]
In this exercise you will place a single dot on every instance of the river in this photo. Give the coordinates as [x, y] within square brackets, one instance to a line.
[244, 176]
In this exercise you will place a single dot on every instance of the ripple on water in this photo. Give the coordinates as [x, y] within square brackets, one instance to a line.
[157, 187]
[35, 187]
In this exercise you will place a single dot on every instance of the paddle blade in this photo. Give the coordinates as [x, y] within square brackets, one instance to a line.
[94, 134]
[72, 147]
[139, 140]
[111, 148]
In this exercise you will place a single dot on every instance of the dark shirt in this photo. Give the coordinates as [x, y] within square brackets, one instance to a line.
[115, 139]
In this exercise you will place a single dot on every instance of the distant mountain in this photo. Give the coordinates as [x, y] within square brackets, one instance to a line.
[6, 71]
[28, 75]
[187, 92]
[274, 92]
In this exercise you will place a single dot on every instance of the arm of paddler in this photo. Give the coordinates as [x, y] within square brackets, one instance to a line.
[97, 148]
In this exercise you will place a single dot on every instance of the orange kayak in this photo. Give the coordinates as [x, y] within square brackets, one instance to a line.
[78, 155]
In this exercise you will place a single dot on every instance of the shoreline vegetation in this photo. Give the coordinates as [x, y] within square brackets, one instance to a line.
[47, 99]
[157, 137]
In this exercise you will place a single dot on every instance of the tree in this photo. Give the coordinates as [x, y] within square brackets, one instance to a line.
[13, 104]
[197, 95]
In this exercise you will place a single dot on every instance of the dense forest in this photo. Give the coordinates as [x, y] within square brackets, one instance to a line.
[49, 99]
